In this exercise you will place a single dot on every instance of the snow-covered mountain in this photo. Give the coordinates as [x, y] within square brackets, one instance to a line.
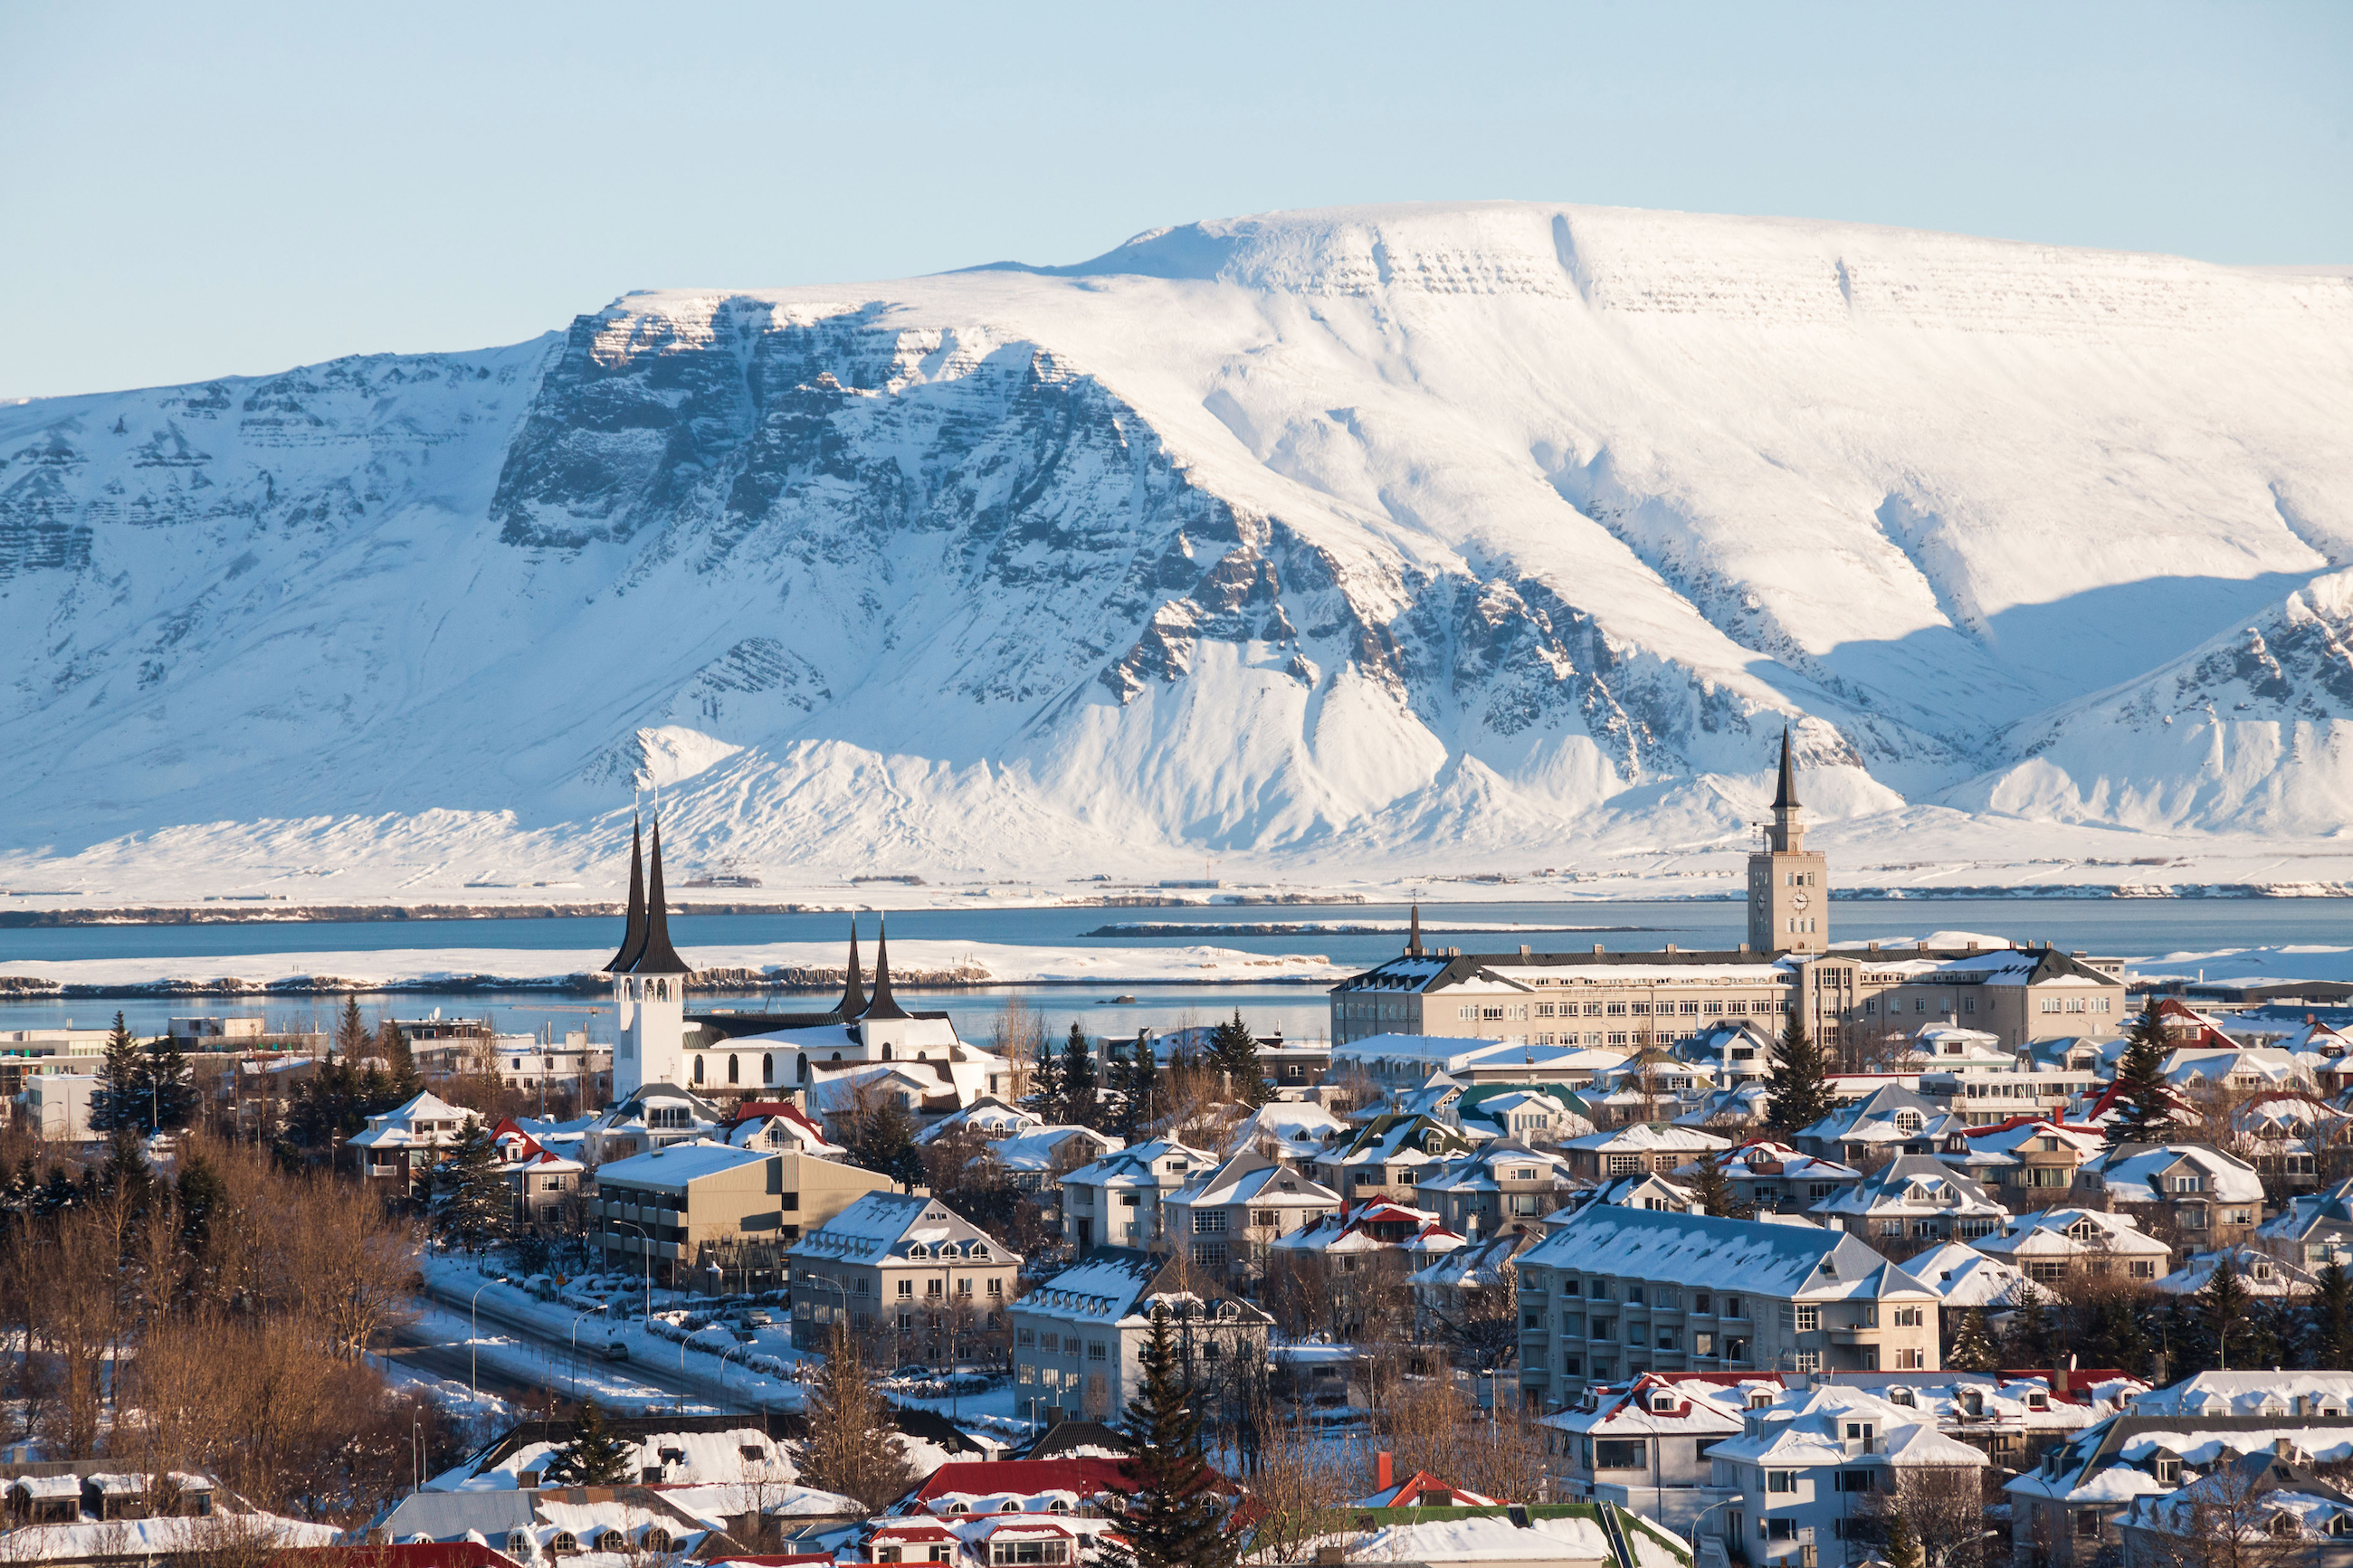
[1432, 537]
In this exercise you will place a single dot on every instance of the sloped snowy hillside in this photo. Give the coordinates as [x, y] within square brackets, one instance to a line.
[1403, 537]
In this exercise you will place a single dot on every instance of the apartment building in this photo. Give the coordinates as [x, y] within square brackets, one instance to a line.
[1616, 1292]
[1505, 1187]
[1660, 1149]
[2048, 1246]
[692, 1205]
[909, 1266]
[1644, 1445]
[1913, 1198]
[2028, 1162]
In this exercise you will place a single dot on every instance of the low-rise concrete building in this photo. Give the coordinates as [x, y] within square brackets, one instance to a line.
[1913, 1200]
[1116, 1201]
[57, 1105]
[694, 1205]
[2048, 1246]
[1640, 1147]
[2206, 1196]
[1229, 1217]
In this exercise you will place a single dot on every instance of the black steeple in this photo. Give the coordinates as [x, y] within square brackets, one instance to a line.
[885, 1004]
[657, 957]
[633, 935]
[1786, 798]
[854, 994]
[1413, 941]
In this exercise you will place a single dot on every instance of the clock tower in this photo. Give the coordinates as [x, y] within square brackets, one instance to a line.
[1789, 886]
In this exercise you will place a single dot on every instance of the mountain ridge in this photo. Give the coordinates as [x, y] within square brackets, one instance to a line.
[1376, 536]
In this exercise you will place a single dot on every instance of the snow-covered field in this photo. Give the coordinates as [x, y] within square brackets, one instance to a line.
[1354, 548]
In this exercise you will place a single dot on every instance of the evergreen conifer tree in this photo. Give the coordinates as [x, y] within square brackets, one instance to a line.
[169, 1085]
[351, 1033]
[595, 1457]
[852, 1447]
[1903, 1546]
[202, 1193]
[2224, 1304]
[1045, 1096]
[885, 1141]
[2332, 1319]
[1177, 1517]
[1236, 1050]
[1712, 1190]
[403, 1083]
[1802, 1093]
[125, 1169]
[1973, 1345]
[57, 1193]
[472, 1205]
[120, 1097]
[2116, 1337]
[2026, 1339]
[2145, 1107]
[1080, 1104]
[1143, 1090]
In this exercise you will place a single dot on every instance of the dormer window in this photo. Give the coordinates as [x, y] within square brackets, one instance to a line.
[916, 1249]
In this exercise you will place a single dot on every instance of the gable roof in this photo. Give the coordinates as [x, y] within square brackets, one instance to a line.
[1710, 1252]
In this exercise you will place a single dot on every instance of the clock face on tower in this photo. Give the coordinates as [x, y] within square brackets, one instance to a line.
[1799, 901]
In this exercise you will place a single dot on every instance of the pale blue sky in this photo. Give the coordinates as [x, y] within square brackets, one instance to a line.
[197, 190]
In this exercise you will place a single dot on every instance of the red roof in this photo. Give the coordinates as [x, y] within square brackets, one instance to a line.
[1025, 1477]
[2015, 1122]
[759, 1109]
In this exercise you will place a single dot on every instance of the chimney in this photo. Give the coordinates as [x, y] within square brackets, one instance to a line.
[1383, 1479]
[2059, 1378]
[1524, 950]
[1744, 947]
[2285, 1448]
[1670, 947]
[1597, 947]
[1870, 947]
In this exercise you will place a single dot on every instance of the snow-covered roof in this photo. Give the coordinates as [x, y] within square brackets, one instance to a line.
[2065, 1234]
[1253, 1178]
[1807, 1426]
[1713, 1253]
[881, 1226]
[1961, 1276]
[1649, 1138]
[1133, 1167]
[670, 1168]
[2141, 1172]
[2266, 1392]
[1912, 1185]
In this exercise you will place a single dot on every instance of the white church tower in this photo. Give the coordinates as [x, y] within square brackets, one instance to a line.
[648, 986]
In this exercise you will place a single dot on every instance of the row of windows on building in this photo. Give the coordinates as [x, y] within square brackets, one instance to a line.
[1517, 1012]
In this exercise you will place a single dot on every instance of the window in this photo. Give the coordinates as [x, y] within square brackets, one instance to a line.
[996, 1286]
[1780, 1480]
[1263, 1219]
[1858, 1480]
[1703, 1345]
[1025, 1336]
[1209, 1222]
[1621, 1454]
[1806, 1320]
[2087, 1523]
[1911, 1358]
[1094, 1349]
[1910, 1316]
[906, 1286]
[1778, 1529]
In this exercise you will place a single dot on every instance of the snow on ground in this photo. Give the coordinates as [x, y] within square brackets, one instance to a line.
[432, 969]
[2251, 963]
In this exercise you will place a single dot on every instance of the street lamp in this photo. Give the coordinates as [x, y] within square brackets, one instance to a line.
[730, 1350]
[575, 1347]
[474, 1344]
[836, 1285]
[649, 1240]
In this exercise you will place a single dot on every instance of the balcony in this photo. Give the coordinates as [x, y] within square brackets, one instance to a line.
[1854, 1336]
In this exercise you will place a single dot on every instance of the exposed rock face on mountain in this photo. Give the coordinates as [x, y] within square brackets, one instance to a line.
[1393, 535]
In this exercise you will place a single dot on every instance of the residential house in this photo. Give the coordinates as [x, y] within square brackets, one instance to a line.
[1397, 1064]
[1622, 1291]
[537, 1177]
[2048, 1246]
[1116, 1201]
[1505, 1185]
[1911, 1201]
[2195, 1191]
[2070, 1510]
[1643, 1192]
[1890, 1120]
[2282, 1134]
[906, 1266]
[1653, 1085]
[548, 1524]
[2260, 1274]
[1807, 1464]
[2266, 1505]
[1466, 1285]
[399, 1147]
[2027, 1162]
[1229, 1215]
[1530, 1112]
[1079, 1338]
[1640, 1147]
[1643, 1444]
[988, 1117]
[779, 1124]
[2312, 1230]
[2269, 1394]
[1774, 1178]
[1963, 1278]
[1032, 1158]
[693, 1207]
[1293, 1131]
[2247, 1068]
[1386, 1157]
[655, 1114]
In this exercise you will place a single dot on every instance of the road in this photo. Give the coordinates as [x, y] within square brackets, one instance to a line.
[419, 1352]
[662, 1380]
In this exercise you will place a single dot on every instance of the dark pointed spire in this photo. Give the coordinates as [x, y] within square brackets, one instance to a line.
[854, 993]
[657, 957]
[1413, 939]
[1786, 798]
[633, 934]
[885, 1004]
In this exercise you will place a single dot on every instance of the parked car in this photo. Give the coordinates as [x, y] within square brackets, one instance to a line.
[615, 1351]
